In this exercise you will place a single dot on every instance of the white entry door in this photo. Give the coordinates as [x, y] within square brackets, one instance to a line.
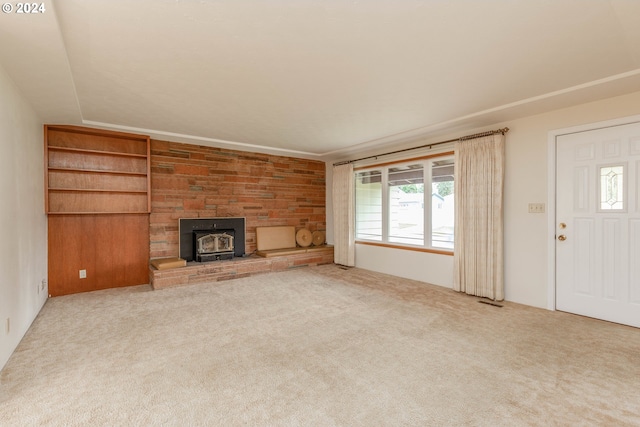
[598, 223]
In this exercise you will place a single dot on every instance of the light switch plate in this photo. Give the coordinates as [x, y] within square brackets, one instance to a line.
[536, 207]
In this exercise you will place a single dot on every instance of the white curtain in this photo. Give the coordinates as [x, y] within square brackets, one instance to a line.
[343, 215]
[479, 182]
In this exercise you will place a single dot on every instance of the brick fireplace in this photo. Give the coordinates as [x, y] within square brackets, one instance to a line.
[204, 183]
[191, 181]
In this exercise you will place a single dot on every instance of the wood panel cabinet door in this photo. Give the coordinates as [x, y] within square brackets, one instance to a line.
[92, 252]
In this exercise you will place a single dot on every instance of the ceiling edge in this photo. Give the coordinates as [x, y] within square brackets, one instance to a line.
[517, 109]
[202, 140]
[583, 93]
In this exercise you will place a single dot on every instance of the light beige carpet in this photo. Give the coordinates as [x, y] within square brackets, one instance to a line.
[316, 346]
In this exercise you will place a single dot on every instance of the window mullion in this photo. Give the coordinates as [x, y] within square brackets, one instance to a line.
[428, 199]
[385, 205]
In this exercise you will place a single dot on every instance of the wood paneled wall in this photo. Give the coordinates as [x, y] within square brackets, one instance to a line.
[113, 249]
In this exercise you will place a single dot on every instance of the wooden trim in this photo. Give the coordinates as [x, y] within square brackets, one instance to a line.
[100, 171]
[98, 152]
[395, 162]
[148, 174]
[406, 248]
[270, 253]
[97, 190]
[100, 213]
[46, 169]
[98, 132]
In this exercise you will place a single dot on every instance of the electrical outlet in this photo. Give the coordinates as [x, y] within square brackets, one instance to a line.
[83, 274]
[536, 207]
[43, 284]
[7, 327]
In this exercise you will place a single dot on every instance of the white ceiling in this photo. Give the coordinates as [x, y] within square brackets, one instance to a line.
[316, 78]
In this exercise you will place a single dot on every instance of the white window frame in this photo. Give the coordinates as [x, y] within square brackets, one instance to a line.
[427, 163]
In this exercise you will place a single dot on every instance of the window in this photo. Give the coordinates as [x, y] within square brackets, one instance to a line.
[442, 213]
[406, 204]
[393, 207]
[369, 205]
[612, 188]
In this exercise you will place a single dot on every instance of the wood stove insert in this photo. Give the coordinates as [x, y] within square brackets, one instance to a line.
[211, 239]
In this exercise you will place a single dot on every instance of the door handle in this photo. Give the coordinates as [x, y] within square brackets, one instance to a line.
[562, 237]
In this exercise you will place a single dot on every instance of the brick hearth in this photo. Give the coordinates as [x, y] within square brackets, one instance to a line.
[235, 268]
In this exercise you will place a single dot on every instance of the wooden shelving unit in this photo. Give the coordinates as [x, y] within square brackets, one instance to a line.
[90, 171]
[98, 201]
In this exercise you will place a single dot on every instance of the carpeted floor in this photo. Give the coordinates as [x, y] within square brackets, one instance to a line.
[317, 346]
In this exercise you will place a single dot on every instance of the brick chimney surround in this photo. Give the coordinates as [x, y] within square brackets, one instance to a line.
[191, 181]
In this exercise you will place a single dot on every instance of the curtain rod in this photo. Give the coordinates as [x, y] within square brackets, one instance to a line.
[462, 138]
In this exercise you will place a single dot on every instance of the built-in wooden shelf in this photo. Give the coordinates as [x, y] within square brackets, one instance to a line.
[98, 152]
[55, 169]
[90, 171]
[94, 213]
[96, 190]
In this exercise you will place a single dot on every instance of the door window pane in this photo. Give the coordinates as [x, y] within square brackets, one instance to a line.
[612, 188]
[369, 205]
[406, 204]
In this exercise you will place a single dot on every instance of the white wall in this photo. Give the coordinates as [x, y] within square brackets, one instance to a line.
[425, 267]
[23, 224]
[526, 235]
